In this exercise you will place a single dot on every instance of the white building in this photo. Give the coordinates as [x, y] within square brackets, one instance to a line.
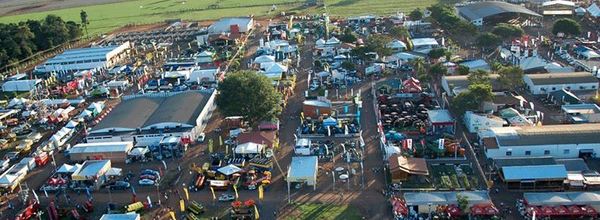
[476, 122]
[424, 45]
[225, 25]
[559, 141]
[85, 59]
[546, 83]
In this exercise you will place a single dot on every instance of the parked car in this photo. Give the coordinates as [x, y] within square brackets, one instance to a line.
[201, 138]
[12, 156]
[150, 177]
[150, 172]
[146, 182]
[226, 197]
[119, 185]
[3, 143]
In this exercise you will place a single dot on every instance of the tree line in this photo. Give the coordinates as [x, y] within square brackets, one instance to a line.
[23, 39]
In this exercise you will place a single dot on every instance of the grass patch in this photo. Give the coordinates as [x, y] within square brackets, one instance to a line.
[106, 17]
[323, 212]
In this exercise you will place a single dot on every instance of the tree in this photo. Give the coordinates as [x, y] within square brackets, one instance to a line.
[488, 40]
[348, 36]
[348, 65]
[360, 53]
[463, 70]
[462, 201]
[438, 70]
[507, 31]
[478, 76]
[567, 26]
[74, 29]
[472, 98]
[437, 53]
[84, 20]
[511, 77]
[399, 32]
[416, 14]
[378, 44]
[250, 95]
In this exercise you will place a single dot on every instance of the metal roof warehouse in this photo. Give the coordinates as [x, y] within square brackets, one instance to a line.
[84, 59]
[149, 117]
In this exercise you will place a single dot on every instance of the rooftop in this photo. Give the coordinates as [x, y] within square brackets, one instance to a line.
[545, 172]
[445, 198]
[581, 109]
[479, 10]
[146, 111]
[127, 216]
[303, 168]
[548, 134]
[91, 168]
[562, 78]
[463, 82]
[440, 116]
[101, 147]
[411, 165]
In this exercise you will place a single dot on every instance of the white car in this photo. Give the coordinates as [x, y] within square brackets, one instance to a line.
[226, 198]
[146, 182]
[201, 138]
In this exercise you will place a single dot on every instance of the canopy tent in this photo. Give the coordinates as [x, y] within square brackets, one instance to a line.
[303, 169]
[114, 172]
[340, 57]
[72, 124]
[249, 148]
[332, 41]
[17, 102]
[8, 180]
[331, 121]
[594, 10]
[229, 169]
[396, 44]
[139, 151]
[320, 42]
[96, 107]
[264, 59]
[276, 68]
[85, 114]
[66, 168]
[562, 198]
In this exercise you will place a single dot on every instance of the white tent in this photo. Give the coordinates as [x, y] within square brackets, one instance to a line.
[340, 57]
[396, 45]
[320, 42]
[17, 102]
[114, 172]
[229, 169]
[139, 151]
[85, 114]
[303, 169]
[8, 180]
[249, 148]
[66, 168]
[332, 41]
[594, 10]
[72, 124]
[20, 85]
[276, 68]
[264, 59]
[205, 53]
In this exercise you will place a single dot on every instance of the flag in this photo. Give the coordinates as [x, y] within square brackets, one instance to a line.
[149, 201]
[210, 146]
[187, 194]
[236, 192]
[172, 215]
[256, 216]
[213, 193]
[46, 193]
[164, 164]
[261, 192]
[220, 140]
[35, 196]
[181, 205]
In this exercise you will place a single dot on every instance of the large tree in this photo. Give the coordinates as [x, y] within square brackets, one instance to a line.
[478, 76]
[438, 70]
[378, 44]
[511, 77]
[250, 95]
[507, 31]
[348, 36]
[488, 40]
[437, 53]
[567, 26]
[416, 14]
[472, 99]
[84, 20]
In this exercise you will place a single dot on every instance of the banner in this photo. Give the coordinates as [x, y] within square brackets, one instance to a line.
[256, 215]
[172, 213]
[261, 192]
[213, 193]
[210, 146]
[187, 194]
[441, 143]
[236, 192]
[182, 205]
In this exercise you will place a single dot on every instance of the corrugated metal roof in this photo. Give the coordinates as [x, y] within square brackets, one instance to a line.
[480, 10]
[562, 78]
[545, 172]
[551, 134]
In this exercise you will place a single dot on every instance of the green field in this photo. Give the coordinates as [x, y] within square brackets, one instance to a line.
[312, 211]
[107, 17]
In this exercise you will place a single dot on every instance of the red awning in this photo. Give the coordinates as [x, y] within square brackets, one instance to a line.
[484, 209]
[454, 211]
[561, 210]
[532, 209]
[547, 211]
[399, 206]
[575, 210]
[589, 211]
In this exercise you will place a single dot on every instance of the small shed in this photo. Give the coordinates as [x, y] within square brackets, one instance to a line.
[267, 138]
[440, 121]
[534, 177]
[303, 169]
[249, 148]
[402, 167]
[316, 108]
